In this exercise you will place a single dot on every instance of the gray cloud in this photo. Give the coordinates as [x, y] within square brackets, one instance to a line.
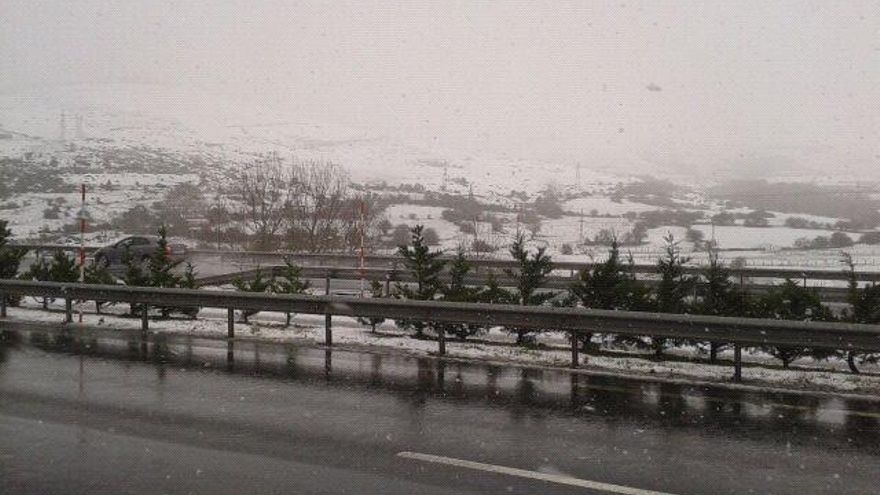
[534, 79]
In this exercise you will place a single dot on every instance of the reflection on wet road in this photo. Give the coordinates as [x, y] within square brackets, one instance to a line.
[103, 412]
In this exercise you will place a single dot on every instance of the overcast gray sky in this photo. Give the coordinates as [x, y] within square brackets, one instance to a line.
[691, 84]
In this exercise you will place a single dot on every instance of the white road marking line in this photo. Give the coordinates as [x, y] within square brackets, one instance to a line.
[523, 473]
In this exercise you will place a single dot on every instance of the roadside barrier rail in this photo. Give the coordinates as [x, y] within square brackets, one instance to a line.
[480, 264]
[389, 275]
[485, 264]
[732, 330]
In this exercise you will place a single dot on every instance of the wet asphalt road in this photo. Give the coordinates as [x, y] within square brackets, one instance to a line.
[102, 412]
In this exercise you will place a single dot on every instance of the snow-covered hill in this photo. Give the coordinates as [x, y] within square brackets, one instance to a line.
[210, 125]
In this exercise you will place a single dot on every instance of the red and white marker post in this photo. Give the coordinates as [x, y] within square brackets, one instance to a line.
[82, 244]
[363, 235]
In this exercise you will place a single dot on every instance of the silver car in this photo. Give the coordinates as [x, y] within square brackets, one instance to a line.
[141, 247]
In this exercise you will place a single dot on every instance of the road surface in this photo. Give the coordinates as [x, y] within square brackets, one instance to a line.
[102, 412]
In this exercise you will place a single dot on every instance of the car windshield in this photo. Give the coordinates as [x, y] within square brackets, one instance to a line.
[420, 246]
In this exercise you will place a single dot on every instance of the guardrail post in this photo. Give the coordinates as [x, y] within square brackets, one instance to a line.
[145, 321]
[737, 363]
[388, 285]
[2, 305]
[68, 310]
[441, 340]
[328, 318]
[230, 323]
[575, 359]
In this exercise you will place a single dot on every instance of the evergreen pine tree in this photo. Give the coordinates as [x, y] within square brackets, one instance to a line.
[610, 285]
[259, 283]
[457, 291]
[188, 281]
[425, 266]
[63, 268]
[377, 292]
[39, 271]
[674, 287]
[792, 302]
[98, 274]
[865, 308]
[161, 269]
[134, 276]
[493, 293]
[718, 296]
[290, 281]
[161, 266]
[10, 258]
[531, 272]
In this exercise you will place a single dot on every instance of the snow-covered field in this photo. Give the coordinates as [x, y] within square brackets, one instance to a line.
[219, 133]
[603, 205]
[738, 237]
[496, 347]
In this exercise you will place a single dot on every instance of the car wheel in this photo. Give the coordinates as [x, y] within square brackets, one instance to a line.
[101, 261]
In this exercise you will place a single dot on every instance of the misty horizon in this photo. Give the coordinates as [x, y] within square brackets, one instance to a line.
[704, 88]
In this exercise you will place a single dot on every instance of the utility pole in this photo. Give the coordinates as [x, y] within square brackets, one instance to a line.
[82, 242]
[79, 126]
[63, 130]
[363, 211]
[581, 227]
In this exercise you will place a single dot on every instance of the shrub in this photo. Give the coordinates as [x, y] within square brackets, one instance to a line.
[531, 271]
[792, 302]
[870, 238]
[840, 240]
[481, 246]
[425, 266]
[610, 285]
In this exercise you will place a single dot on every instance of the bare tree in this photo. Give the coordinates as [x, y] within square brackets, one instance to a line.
[321, 208]
[266, 188]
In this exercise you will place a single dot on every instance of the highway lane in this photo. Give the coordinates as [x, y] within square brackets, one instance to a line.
[103, 412]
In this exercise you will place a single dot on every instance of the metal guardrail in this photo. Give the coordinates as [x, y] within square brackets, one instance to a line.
[736, 331]
[482, 264]
[53, 248]
[388, 275]
[479, 264]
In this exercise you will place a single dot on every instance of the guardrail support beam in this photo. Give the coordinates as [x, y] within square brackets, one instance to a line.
[737, 363]
[575, 359]
[2, 305]
[328, 330]
[441, 340]
[145, 321]
[68, 310]
[328, 318]
[230, 323]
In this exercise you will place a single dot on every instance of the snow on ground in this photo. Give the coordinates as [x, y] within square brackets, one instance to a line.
[428, 216]
[735, 237]
[496, 346]
[779, 218]
[567, 230]
[107, 195]
[603, 205]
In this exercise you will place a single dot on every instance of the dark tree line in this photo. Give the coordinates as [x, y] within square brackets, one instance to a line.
[612, 285]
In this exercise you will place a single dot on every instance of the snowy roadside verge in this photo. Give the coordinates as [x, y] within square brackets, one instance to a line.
[347, 332]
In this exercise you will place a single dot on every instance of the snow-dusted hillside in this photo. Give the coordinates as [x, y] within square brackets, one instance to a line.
[130, 144]
[117, 116]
